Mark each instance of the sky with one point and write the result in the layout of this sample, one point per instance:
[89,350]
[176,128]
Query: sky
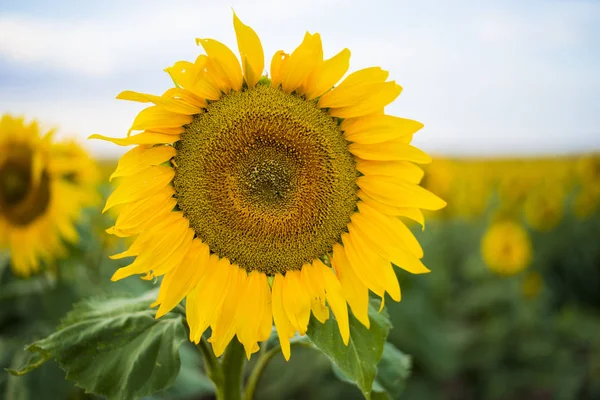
[493,78]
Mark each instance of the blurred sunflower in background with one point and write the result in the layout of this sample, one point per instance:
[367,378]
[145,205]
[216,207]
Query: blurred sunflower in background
[587,171]
[543,207]
[264,199]
[77,167]
[532,285]
[506,248]
[39,197]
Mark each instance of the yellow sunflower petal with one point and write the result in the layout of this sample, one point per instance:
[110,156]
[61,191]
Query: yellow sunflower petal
[335,299]
[327,74]
[393,250]
[140,158]
[355,291]
[414,214]
[379,266]
[251,51]
[194,79]
[141,185]
[140,242]
[67,231]
[184,74]
[285,330]
[361,269]
[136,216]
[378,128]
[164,264]
[250,317]
[225,327]
[146,137]
[266,322]
[401,257]
[296,302]
[187,96]
[384,208]
[301,62]
[279,58]
[155,117]
[397,169]
[380,96]
[213,288]
[37,168]
[319,310]
[164,248]
[225,61]
[209,84]
[169,104]
[389,151]
[399,193]
[354,88]
[394,227]
[313,280]
[247,318]
[178,282]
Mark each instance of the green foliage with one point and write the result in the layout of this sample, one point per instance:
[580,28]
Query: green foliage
[190,381]
[113,346]
[470,333]
[357,362]
[473,334]
[392,372]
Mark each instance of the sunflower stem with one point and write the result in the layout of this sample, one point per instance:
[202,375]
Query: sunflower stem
[213,368]
[259,367]
[232,367]
[264,357]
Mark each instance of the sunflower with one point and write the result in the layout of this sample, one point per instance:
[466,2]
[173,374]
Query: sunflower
[77,167]
[543,207]
[586,203]
[587,200]
[532,285]
[587,169]
[39,201]
[506,248]
[262,199]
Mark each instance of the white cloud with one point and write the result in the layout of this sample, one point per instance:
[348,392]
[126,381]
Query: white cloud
[130,37]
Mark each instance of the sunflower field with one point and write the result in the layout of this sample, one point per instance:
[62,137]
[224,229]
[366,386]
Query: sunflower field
[510,310]
[272,232]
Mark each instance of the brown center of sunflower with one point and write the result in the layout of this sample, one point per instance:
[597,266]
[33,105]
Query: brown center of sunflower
[22,200]
[266,179]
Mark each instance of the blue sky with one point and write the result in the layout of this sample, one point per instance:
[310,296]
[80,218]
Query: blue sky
[486,78]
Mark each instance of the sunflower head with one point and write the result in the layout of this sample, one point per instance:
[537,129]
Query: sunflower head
[37,204]
[506,248]
[264,199]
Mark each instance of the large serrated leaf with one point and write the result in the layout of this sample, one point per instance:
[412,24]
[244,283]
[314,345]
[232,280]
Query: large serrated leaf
[114,347]
[357,361]
[392,371]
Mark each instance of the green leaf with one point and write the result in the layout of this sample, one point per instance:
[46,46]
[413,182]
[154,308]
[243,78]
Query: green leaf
[191,382]
[392,371]
[114,347]
[27,287]
[47,379]
[357,361]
